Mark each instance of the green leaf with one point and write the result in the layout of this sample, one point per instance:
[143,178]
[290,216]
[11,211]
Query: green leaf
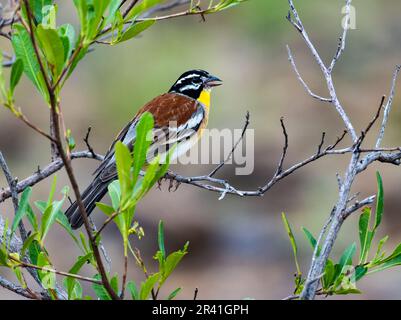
[395,253]
[24,50]
[49,217]
[96,10]
[28,242]
[52,48]
[74,290]
[173,294]
[364,234]
[84,242]
[37,7]
[142,7]
[16,73]
[346,258]
[3,257]
[133,290]
[107,210]
[292,240]
[345,291]
[3,90]
[225,4]
[379,252]
[76,60]
[380,201]
[22,208]
[52,191]
[147,286]
[117,27]
[82,9]
[90,13]
[49,16]
[32,218]
[311,239]
[114,283]
[48,278]
[100,290]
[329,273]
[20,277]
[34,251]
[66,33]
[115,194]
[142,143]
[171,262]
[360,271]
[395,260]
[113,8]
[135,29]
[61,219]
[160,239]
[123,163]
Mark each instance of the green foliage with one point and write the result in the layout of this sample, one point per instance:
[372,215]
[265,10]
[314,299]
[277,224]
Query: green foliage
[47,54]
[100,290]
[16,73]
[292,241]
[25,52]
[22,208]
[223,5]
[341,277]
[52,47]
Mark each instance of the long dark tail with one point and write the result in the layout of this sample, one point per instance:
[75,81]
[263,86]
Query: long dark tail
[92,194]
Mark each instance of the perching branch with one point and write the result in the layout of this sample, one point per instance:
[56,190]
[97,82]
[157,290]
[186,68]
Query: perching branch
[356,165]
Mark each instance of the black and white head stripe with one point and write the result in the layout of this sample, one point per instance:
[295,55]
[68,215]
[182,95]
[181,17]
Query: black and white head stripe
[191,83]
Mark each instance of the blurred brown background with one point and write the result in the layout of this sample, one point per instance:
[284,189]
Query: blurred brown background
[238,247]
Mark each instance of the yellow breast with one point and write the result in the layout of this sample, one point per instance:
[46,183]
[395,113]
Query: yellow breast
[204,99]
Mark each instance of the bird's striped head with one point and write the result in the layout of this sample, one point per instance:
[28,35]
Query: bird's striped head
[192,83]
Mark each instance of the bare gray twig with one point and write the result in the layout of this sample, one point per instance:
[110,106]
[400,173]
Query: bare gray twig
[387,108]
[46,172]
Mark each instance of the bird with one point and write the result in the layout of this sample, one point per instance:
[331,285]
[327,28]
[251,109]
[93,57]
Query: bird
[186,104]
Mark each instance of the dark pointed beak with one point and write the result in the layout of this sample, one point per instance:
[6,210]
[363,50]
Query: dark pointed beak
[213,81]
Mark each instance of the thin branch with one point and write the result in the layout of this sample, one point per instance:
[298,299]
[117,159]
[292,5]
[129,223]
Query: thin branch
[14,194]
[86,140]
[62,273]
[164,7]
[357,205]
[24,119]
[27,293]
[326,72]
[105,224]
[377,115]
[67,67]
[228,158]
[285,148]
[101,246]
[124,280]
[310,92]
[387,108]
[208,183]
[129,7]
[342,40]
[46,172]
